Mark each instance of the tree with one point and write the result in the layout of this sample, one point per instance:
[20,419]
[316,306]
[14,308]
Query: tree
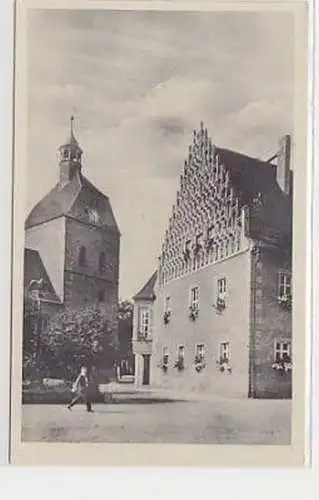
[125,326]
[32,322]
[77,337]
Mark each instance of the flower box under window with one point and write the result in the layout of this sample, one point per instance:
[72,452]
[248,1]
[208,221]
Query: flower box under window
[167,317]
[282,362]
[285,301]
[199,363]
[285,289]
[220,304]
[179,364]
[193,312]
[282,366]
[142,336]
[224,365]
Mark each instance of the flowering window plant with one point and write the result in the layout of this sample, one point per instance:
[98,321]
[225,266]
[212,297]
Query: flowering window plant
[224,365]
[283,365]
[220,303]
[164,365]
[179,363]
[167,316]
[193,311]
[199,363]
[285,300]
[142,335]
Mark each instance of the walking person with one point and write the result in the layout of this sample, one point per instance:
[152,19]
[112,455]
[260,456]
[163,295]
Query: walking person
[81,388]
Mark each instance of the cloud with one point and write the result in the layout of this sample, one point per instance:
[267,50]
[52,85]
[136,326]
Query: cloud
[139,83]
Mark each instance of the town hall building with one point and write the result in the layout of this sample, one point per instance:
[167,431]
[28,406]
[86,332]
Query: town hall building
[72,243]
[215,317]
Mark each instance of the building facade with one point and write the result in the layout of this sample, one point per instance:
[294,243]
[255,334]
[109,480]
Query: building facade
[216,315]
[72,242]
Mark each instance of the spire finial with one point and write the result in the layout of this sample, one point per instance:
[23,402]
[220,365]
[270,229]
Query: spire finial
[71,125]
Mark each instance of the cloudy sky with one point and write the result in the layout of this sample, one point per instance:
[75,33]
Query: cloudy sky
[138,84]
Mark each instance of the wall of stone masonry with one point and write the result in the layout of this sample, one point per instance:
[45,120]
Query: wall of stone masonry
[272,322]
[82,283]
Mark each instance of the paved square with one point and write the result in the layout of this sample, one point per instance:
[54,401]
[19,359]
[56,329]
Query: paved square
[218,422]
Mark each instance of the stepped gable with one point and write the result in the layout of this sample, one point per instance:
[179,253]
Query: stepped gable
[71,199]
[206,221]
[34,270]
[147,291]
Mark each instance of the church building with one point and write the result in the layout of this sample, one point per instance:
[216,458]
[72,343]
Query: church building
[216,315]
[72,242]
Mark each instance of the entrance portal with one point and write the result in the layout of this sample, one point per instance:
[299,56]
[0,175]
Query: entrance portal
[146,369]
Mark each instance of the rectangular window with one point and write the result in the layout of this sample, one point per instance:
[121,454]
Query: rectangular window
[224,352]
[199,352]
[284,284]
[181,352]
[167,304]
[221,287]
[101,296]
[144,322]
[165,356]
[282,350]
[194,297]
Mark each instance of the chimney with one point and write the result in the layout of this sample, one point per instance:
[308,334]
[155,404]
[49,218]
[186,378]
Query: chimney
[283,164]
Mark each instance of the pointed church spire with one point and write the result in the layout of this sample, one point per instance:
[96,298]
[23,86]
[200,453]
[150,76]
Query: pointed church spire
[70,155]
[72,139]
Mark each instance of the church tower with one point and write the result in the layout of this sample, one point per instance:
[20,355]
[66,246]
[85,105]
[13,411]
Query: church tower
[74,230]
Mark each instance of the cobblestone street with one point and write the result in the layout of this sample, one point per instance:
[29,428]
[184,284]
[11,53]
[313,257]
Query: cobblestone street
[212,422]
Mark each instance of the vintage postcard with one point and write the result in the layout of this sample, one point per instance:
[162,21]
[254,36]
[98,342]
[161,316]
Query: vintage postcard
[161,187]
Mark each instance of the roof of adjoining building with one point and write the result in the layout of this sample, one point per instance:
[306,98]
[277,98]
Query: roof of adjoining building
[61,201]
[34,270]
[147,291]
[249,176]
[271,219]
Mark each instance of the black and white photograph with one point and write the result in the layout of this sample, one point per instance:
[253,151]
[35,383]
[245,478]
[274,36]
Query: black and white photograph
[164,172]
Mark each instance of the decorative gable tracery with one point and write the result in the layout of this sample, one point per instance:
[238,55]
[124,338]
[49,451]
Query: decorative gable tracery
[205,225]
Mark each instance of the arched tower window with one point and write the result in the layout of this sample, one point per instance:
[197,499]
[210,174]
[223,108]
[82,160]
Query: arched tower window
[102,262]
[82,256]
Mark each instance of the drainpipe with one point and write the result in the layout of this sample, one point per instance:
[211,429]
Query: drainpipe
[253,275]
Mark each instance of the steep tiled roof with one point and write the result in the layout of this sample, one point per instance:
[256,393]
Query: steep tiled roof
[61,200]
[271,220]
[34,270]
[147,291]
[249,176]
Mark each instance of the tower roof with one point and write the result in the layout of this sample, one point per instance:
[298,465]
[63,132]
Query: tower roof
[147,291]
[72,199]
[74,195]
[71,140]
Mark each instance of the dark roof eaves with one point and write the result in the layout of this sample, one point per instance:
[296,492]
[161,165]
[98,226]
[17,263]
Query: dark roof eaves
[113,229]
[43,221]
